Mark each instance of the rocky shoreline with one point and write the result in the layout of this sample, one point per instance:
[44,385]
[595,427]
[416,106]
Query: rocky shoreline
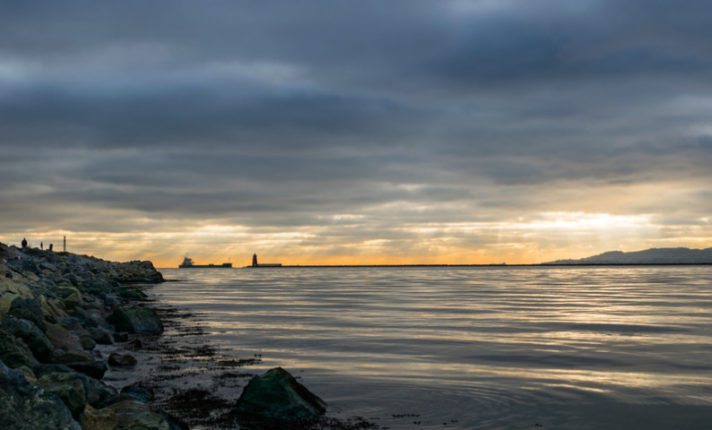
[82,347]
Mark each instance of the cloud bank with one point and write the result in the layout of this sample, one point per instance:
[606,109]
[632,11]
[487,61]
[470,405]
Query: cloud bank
[365,131]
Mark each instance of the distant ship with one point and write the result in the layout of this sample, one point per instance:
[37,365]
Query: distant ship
[188,264]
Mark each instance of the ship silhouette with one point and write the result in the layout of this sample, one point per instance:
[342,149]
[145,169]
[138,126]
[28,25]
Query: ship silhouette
[188,264]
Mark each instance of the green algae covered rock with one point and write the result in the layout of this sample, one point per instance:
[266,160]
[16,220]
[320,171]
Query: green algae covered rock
[131,294]
[14,352]
[136,319]
[69,387]
[126,414]
[35,339]
[29,309]
[276,395]
[25,407]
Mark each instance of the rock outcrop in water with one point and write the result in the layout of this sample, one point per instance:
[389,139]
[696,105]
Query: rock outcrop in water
[277,396]
[54,309]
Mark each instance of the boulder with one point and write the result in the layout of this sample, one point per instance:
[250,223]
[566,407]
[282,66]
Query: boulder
[87,342]
[100,335]
[138,392]
[99,419]
[11,289]
[71,297]
[97,393]
[134,345]
[131,294]
[25,407]
[35,339]
[28,309]
[67,347]
[121,360]
[14,352]
[126,414]
[121,337]
[27,373]
[69,387]
[94,369]
[276,395]
[136,319]
[51,309]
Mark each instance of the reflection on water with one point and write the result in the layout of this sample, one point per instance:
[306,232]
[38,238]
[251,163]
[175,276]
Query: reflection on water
[475,347]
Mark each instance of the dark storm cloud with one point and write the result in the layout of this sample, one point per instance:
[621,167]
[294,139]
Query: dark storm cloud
[283,113]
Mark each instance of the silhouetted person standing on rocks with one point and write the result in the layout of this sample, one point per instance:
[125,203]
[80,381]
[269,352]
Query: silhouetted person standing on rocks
[41,245]
[51,245]
[24,243]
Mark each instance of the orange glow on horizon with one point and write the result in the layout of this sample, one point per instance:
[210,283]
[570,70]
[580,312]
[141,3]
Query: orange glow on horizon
[535,239]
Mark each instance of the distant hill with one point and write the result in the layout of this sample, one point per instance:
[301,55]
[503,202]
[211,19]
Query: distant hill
[648,256]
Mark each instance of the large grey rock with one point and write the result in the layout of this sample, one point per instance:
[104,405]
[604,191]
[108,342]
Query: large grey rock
[136,319]
[126,414]
[25,407]
[131,294]
[276,395]
[138,392]
[14,352]
[121,360]
[67,347]
[94,369]
[100,335]
[69,387]
[35,339]
[97,393]
[29,309]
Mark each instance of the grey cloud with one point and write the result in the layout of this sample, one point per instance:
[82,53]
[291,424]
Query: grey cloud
[269,114]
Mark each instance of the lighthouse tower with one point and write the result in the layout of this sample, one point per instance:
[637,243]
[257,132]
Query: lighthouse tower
[254,260]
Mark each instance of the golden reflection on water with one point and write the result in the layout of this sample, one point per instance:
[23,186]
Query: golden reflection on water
[638,335]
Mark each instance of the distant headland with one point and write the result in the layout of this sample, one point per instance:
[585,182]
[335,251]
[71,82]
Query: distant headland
[653,256]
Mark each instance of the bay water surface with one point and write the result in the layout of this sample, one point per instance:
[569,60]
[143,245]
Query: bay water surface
[473,348]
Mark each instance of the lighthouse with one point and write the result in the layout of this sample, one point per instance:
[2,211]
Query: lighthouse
[254,260]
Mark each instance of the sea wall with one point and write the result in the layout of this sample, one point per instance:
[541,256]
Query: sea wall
[54,310]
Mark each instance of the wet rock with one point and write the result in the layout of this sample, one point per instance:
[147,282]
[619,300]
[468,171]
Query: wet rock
[121,337]
[33,337]
[131,294]
[100,336]
[95,369]
[67,347]
[10,290]
[136,319]
[121,360]
[14,352]
[138,392]
[25,407]
[71,297]
[87,342]
[69,387]
[97,393]
[99,419]
[276,395]
[134,345]
[112,301]
[126,414]
[27,373]
[28,309]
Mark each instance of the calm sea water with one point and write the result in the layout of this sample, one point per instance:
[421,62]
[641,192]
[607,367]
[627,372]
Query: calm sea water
[425,348]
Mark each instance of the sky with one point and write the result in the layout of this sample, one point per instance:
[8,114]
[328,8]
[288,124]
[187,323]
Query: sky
[337,132]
